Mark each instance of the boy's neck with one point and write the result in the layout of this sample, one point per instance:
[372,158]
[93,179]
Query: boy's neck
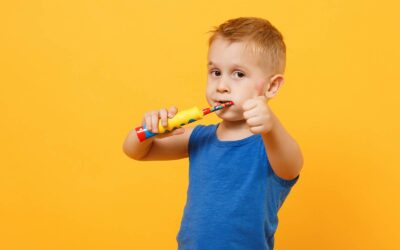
[233,130]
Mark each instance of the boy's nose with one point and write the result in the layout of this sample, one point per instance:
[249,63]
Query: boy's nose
[222,86]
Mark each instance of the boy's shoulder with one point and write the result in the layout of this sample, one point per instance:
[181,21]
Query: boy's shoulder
[202,131]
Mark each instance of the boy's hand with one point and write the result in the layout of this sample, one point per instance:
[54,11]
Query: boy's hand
[151,118]
[258,115]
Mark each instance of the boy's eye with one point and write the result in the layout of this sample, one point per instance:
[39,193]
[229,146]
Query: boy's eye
[215,72]
[239,74]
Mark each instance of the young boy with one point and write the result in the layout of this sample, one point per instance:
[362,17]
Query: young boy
[241,169]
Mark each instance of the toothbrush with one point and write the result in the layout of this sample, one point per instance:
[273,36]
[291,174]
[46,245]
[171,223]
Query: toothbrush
[180,119]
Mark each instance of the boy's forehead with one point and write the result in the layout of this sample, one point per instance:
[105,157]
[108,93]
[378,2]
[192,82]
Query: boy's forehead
[236,53]
[224,46]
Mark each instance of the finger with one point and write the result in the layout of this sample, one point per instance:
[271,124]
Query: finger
[267,98]
[163,116]
[254,121]
[249,104]
[250,113]
[257,129]
[154,122]
[147,118]
[172,111]
[144,120]
[262,98]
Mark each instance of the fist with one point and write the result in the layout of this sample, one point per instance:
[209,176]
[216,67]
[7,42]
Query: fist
[258,115]
[152,118]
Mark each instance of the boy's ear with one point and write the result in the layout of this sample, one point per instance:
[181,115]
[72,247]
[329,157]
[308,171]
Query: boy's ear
[275,82]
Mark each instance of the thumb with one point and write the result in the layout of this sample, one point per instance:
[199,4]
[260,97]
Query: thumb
[177,131]
[264,97]
[267,96]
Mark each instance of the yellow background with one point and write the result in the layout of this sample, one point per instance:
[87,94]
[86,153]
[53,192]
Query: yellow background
[76,76]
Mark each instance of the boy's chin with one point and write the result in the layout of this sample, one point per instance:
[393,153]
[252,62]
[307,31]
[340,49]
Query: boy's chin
[229,117]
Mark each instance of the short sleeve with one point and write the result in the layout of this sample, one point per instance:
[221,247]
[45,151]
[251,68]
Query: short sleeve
[194,138]
[284,182]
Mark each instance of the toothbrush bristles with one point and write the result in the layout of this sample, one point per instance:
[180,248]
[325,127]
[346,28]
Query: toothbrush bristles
[217,107]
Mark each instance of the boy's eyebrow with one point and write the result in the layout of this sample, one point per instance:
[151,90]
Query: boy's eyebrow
[210,63]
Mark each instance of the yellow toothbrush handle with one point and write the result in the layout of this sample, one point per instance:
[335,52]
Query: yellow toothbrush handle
[181,118]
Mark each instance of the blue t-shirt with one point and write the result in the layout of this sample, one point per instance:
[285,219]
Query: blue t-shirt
[233,196]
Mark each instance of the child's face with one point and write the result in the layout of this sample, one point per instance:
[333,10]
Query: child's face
[234,74]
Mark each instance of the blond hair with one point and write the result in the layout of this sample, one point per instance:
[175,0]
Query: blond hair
[265,40]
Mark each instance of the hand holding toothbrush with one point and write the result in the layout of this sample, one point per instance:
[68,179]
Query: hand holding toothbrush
[153,118]
[171,121]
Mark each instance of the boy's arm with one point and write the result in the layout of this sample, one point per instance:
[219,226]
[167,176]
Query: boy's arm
[283,152]
[162,147]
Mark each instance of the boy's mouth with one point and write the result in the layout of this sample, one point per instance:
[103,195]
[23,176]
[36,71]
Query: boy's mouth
[221,102]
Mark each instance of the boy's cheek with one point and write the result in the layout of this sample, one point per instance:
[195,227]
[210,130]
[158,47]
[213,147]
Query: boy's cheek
[207,95]
[260,88]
